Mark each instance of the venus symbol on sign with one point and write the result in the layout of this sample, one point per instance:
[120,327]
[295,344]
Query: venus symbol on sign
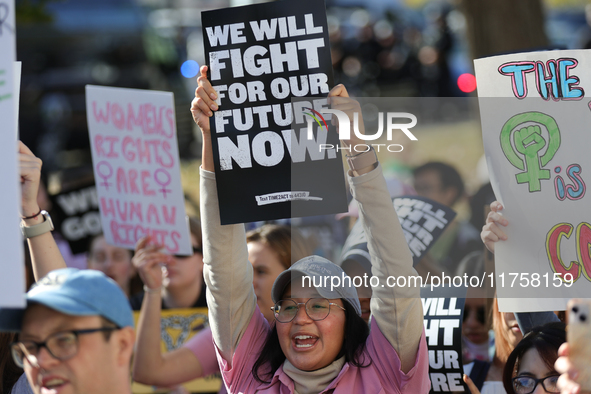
[104,170]
[163,180]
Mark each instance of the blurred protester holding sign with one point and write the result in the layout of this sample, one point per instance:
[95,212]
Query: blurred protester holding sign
[176,280]
[272,249]
[170,282]
[487,377]
[442,183]
[115,262]
[475,331]
[475,326]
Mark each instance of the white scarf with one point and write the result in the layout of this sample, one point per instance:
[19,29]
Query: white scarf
[313,382]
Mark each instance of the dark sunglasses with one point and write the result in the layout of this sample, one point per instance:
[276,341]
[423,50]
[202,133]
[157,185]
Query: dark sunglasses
[480,314]
[196,249]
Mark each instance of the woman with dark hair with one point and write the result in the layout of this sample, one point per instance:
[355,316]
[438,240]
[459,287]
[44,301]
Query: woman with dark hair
[530,366]
[169,282]
[318,342]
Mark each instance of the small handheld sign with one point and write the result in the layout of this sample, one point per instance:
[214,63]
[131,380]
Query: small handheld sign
[136,167]
[422,221]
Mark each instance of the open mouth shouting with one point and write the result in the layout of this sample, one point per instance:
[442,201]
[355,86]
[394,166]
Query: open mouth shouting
[304,341]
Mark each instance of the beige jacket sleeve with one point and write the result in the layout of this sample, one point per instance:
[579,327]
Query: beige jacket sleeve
[397,310]
[227,272]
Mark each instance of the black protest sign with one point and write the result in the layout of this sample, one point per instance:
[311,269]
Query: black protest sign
[422,221]
[76,216]
[443,309]
[260,58]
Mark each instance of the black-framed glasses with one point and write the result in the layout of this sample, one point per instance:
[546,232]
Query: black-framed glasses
[316,309]
[527,384]
[196,249]
[61,345]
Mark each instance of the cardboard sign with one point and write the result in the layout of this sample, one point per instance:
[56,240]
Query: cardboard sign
[76,216]
[422,221]
[261,57]
[12,280]
[443,309]
[136,167]
[177,327]
[534,111]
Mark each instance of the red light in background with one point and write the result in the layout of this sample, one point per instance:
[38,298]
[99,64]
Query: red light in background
[467,83]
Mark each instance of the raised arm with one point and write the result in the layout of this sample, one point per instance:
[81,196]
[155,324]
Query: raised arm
[45,255]
[227,272]
[397,310]
[150,365]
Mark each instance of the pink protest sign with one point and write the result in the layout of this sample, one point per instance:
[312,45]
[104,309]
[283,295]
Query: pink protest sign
[136,167]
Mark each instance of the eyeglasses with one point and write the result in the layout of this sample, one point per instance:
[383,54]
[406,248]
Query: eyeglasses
[61,345]
[316,309]
[527,384]
[196,249]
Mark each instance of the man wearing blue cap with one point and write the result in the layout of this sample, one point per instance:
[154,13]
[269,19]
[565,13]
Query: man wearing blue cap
[76,334]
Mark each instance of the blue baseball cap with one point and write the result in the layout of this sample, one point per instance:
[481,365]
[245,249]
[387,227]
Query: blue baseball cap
[77,293]
[320,271]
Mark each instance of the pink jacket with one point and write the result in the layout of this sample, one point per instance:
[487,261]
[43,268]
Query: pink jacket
[382,376]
